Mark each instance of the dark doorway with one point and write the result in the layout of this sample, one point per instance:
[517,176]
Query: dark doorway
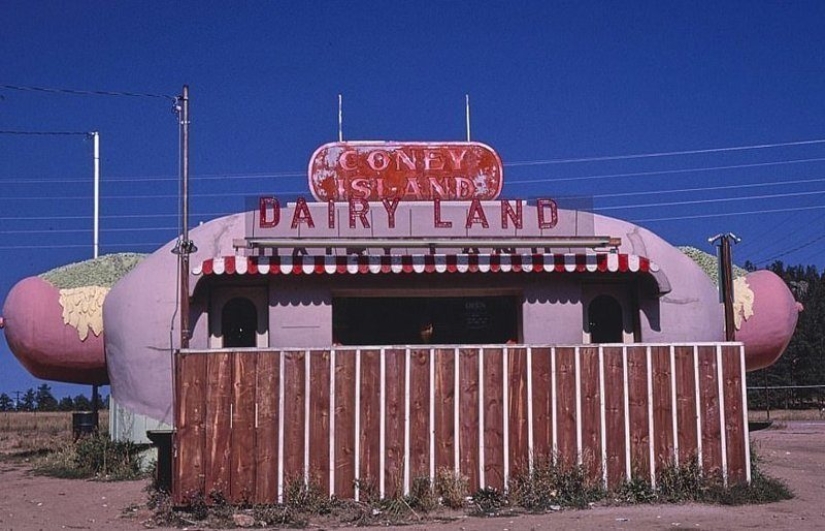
[604,318]
[239,323]
[421,320]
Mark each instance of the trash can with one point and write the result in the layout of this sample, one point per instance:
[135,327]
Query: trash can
[83,423]
[162,439]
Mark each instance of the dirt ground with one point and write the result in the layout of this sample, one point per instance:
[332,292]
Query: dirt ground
[793,451]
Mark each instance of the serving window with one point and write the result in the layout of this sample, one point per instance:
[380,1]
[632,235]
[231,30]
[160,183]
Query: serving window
[425,320]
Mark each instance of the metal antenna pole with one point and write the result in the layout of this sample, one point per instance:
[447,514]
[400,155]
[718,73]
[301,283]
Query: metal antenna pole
[340,118]
[96,139]
[467,114]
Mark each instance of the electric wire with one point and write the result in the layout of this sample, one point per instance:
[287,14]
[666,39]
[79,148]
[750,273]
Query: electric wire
[666,153]
[87,92]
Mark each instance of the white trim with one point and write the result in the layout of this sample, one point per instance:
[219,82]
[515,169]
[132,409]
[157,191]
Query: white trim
[382,428]
[626,384]
[602,417]
[674,406]
[407,355]
[723,436]
[505,403]
[699,449]
[745,415]
[357,416]
[481,453]
[332,416]
[281,408]
[307,384]
[577,368]
[456,410]
[554,403]
[432,415]
[530,408]
[650,430]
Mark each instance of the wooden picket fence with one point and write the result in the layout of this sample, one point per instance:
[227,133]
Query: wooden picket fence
[249,421]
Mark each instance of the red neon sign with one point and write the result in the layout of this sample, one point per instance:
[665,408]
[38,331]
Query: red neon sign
[411,171]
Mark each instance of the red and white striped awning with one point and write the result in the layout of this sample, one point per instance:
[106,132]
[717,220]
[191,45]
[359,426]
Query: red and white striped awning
[426,263]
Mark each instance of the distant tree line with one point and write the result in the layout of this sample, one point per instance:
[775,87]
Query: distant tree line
[803,363]
[42,399]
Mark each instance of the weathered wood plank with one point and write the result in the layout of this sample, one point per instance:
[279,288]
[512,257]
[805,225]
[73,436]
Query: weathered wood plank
[190,439]
[469,417]
[319,418]
[419,413]
[345,423]
[266,396]
[493,418]
[614,391]
[243,459]
[218,419]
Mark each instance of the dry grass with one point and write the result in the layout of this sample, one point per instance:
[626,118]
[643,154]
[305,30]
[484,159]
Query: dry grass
[786,414]
[24,434]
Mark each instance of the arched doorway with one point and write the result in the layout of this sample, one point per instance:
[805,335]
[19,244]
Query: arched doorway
[605,320]
[239,323]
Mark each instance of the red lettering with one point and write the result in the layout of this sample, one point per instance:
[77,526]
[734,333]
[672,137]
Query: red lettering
[475,214]
[390,207]
[331,213]
[516,215]
[302,214]
[437,223]
[543,204]
[266,205]
[358,213]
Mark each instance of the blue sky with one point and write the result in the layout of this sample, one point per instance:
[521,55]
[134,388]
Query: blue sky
[567,93]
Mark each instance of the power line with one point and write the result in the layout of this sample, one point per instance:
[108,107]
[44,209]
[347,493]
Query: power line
[710,188]
[793,250]
[87,92]
[663,172]
[45,133]
[725,214]
[705,201]
[666,153]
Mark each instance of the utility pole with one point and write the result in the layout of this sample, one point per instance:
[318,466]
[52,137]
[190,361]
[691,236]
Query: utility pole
[726,279]
[185,247]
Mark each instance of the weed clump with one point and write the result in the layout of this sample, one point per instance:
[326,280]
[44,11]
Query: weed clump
[94,456]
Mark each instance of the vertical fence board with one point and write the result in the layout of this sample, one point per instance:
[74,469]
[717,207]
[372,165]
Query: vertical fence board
[319,418]
[420,413]
[638,411]
[370,443]
[686,407]
[709,406]
[445,437]
[218,418]
[294,415]
[242,459]
[614,415]
[469,420]
[267,389]
[663,436]
[566,405]
[519,444]
[542,403]
[732,380]
[190,438]
[591,411]
[344,417]
[394,413]
[493,418]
